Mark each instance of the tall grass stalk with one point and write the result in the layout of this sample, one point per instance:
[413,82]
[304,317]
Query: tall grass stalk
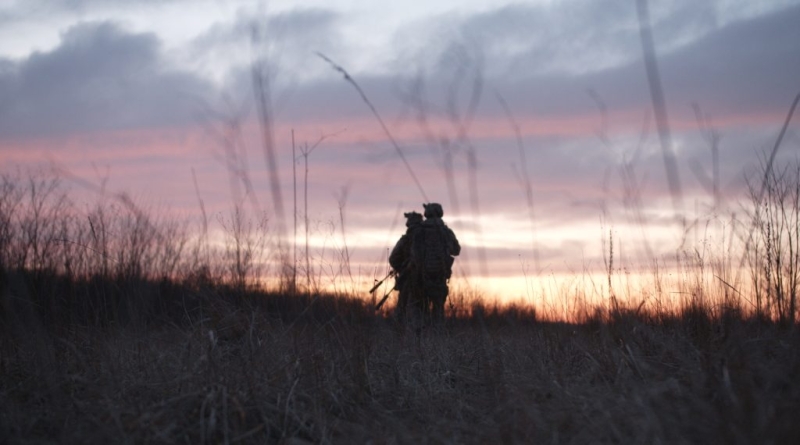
[385,129]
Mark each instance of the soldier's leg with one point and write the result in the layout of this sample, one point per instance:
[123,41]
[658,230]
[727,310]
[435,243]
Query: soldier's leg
[437,315]
[402,306]
[426,303]
[439,297]
[417,311]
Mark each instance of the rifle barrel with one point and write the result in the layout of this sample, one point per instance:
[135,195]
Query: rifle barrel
[383,300]
[381,282]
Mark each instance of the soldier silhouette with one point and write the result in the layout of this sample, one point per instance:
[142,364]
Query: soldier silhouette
[435,247]
[423,260]
[400,261]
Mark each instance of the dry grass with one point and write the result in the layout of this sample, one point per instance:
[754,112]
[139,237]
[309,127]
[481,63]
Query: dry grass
[110,336]
[247,373]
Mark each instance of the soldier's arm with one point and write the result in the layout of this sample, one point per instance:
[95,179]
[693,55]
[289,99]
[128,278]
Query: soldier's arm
[397,257]
[455,248]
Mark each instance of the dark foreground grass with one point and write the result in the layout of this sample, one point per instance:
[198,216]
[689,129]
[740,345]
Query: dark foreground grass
[251,369]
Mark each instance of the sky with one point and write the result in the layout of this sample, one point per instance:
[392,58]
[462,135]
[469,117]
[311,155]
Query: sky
[542,110]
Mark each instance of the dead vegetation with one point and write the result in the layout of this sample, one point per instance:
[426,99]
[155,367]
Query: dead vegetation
[243,371]
[120,327]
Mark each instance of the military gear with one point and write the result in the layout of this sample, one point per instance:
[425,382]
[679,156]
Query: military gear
[399,259]
[423,259]
[435,259]
[386,295]
[377,284]
[429,251]
[412,218]
[433,210]
[401,253]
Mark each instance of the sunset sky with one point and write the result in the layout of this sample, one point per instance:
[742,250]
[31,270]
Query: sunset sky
[138,91]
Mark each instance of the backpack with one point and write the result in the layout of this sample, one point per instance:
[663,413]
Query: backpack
[429,253]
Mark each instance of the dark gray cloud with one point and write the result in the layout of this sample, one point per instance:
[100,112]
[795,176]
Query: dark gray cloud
[100,77]
[745,67]
[740,68]
[753,65]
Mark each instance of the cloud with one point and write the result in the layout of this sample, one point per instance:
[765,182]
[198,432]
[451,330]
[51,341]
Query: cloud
[550,54]
[731,68]
[753,65]
[286,41]
[542,60]
[743,73]
[99,78]
[28,9]
[566,37]
[569,165]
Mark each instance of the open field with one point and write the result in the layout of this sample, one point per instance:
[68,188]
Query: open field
[275,369]
[237,313]
[118,326]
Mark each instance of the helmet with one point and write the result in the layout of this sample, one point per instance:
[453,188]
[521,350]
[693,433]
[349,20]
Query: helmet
[412,218]
[433,209]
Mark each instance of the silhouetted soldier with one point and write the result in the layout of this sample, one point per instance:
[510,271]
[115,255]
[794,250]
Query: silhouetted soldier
[434,246]
[400,260]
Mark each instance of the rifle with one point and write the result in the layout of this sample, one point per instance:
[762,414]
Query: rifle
[383,300]
[385,297]
[390,274]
